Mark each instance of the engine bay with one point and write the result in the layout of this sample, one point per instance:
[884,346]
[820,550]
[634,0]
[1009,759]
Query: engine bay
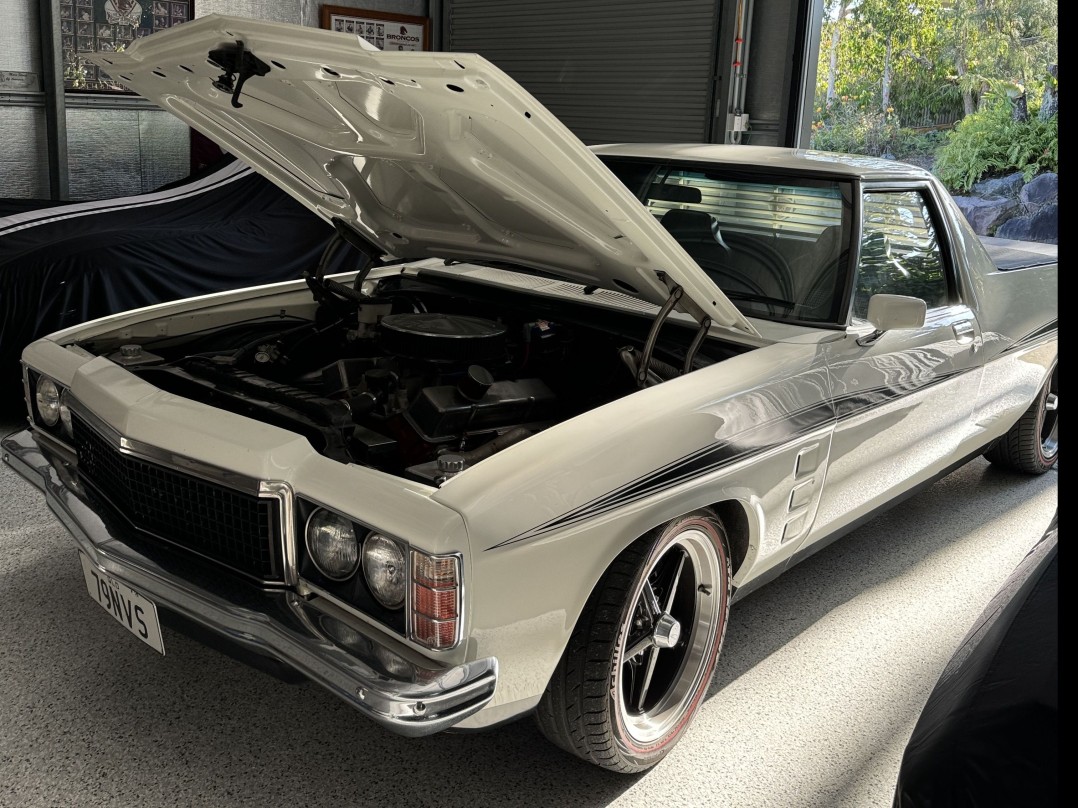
[414,376]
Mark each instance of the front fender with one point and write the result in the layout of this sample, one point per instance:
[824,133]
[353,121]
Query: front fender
[548,515]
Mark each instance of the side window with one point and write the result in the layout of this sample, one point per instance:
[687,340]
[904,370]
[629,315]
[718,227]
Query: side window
[900,254]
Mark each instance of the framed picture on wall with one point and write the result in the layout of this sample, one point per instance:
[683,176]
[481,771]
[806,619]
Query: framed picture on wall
[110,25]
[382,29]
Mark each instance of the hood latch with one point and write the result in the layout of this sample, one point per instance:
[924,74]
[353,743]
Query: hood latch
[239,62]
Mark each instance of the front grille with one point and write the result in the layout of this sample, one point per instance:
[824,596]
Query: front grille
[233,528]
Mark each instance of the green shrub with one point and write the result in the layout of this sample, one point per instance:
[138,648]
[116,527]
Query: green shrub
[846,128]
[912,143]
[990,142]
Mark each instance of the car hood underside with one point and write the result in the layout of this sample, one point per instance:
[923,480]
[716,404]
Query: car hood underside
[424,154]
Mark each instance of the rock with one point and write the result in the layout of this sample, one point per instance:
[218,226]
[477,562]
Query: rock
[1009,186]
[1041,225]
[1041,190]
[984,215]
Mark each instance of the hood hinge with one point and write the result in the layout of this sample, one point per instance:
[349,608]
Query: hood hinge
[676,299]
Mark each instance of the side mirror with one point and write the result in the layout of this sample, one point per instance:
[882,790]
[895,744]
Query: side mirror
[888,312]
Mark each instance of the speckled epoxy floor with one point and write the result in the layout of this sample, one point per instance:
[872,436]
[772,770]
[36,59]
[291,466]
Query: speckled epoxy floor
[823,675]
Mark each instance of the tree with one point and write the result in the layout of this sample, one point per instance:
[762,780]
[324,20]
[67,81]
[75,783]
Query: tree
[1050,100]
[990,41]
[904,29]
[838,11]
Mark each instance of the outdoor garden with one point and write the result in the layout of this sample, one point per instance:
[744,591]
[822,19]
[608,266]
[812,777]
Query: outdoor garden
[965,88]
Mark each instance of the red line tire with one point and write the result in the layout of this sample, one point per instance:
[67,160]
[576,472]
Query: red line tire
[640,659]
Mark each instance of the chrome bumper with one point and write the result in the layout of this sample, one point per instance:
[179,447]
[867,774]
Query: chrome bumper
[374,673]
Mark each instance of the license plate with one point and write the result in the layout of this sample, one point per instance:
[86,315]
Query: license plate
[133,611]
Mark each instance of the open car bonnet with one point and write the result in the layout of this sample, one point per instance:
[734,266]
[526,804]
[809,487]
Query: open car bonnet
[424,154]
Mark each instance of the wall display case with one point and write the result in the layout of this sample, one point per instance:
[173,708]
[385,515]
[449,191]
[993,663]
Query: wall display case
[381,28]
[110,25]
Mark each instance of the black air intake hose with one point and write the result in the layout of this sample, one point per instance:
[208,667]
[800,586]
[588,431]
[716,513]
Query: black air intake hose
[658,370]
[503,441]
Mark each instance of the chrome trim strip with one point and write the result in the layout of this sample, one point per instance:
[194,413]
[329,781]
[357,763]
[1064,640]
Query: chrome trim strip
[163,457]
[422,700]
[26,391]
[286,498]
[343,605]
[56,445]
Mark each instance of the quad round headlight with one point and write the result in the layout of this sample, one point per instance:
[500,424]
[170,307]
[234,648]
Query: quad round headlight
[383,567]
[48,401]
[332,543]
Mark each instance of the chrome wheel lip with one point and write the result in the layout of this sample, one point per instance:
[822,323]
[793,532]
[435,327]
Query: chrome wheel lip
[699,633]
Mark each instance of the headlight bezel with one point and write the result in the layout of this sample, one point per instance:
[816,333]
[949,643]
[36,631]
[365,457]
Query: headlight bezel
[356,596]
[353,595]
[58,429]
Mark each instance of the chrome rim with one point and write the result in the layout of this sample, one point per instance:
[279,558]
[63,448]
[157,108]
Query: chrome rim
[1050,420]
[669,637]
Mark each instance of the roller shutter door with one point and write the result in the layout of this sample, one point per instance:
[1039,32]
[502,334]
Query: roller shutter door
[611,70]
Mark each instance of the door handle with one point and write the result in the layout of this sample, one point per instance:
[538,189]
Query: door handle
[963,332]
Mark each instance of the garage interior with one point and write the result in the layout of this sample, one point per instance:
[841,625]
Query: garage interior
[612,70]
[824,672]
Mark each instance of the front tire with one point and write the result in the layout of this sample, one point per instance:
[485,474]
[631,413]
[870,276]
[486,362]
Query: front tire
[1031,446]
[641,657]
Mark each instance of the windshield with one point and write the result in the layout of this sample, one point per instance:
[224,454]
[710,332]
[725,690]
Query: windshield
[777,246]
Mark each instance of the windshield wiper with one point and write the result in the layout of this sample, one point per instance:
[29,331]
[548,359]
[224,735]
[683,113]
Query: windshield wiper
[748,297]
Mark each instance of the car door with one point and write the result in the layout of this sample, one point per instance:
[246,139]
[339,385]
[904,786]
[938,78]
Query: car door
[903,400]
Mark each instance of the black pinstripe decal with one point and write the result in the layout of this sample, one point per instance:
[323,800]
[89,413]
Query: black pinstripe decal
[754,441]
[1044,331]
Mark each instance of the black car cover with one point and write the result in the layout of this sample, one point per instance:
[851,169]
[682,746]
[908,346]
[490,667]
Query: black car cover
[223,229]
[989,734]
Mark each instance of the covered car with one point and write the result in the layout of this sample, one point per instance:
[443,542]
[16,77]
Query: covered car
[226,228]
[989,733]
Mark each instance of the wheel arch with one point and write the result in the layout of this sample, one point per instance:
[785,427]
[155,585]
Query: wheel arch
[739,522]
[736,520]
[548,602]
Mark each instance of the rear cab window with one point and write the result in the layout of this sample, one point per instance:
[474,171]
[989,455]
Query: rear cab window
[777,246]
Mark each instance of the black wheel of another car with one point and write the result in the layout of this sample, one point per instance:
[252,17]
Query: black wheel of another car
[643,652]
[1032,444]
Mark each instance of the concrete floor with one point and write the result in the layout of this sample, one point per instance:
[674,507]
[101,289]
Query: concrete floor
[822,677]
